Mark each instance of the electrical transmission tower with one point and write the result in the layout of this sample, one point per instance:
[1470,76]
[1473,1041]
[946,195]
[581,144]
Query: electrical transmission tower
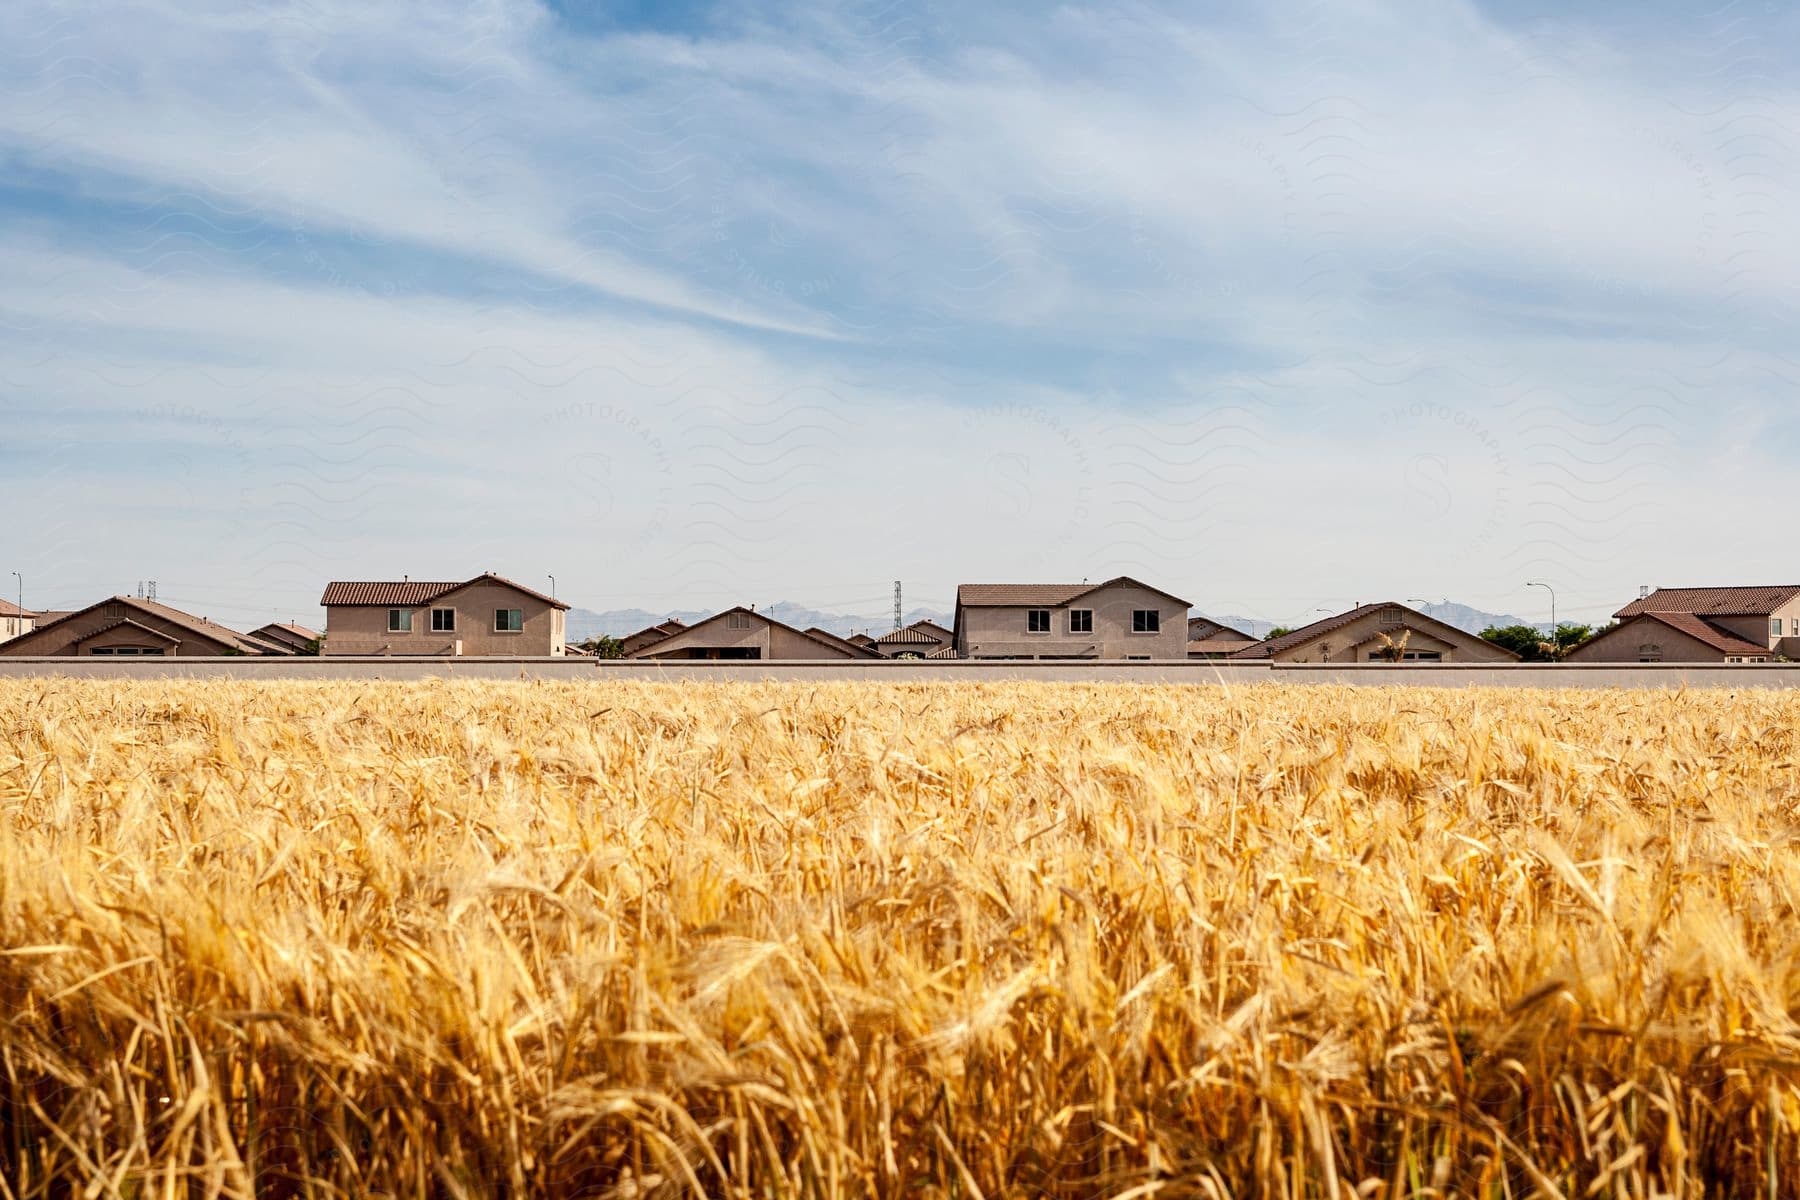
[896,604]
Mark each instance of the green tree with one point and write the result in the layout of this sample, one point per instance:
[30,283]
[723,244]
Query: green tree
[1279,631]
[1533,644]
[604,646]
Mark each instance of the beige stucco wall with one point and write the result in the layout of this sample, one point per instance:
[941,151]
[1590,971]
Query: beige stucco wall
[1000,632]
[1625,644]
[1353,643]
[12,627]
[360,630]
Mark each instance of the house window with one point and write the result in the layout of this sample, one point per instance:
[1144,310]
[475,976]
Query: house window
[1390,618]
[740,620]
[1037,620]
[509,620]
[399,620]
[1081,620]
[443,620]
[1650,652]
[1775,626]
[1137,658]
[1146,620]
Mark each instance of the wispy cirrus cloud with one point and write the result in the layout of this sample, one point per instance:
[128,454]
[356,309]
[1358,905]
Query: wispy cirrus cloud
[1277,304]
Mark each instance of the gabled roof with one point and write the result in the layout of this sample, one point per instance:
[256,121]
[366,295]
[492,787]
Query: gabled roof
[299,631]
[909,637]
[1696,627]
[833,640]
[9,609]
[860,639]
[112,625]
[1758,601]
[815,635]
[1411,616]
[1207,629]
[408,594]
[212,631]
[1050,595]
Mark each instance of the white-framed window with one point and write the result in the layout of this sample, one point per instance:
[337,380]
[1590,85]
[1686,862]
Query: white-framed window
[509,620]
[1081,620]
[1390,618]
[1037,620]
[1146,620]
[399,620]
[1775,626]
[443,620]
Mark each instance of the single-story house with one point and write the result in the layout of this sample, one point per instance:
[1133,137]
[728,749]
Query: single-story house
[1652,637]
[131,626]
[1384,632]
[744,633]
[479,616]
[917,640]
[855,650]
[631,643]
[15,621]
[289,637]
[1120,619]
[1715,624]
[1208,638]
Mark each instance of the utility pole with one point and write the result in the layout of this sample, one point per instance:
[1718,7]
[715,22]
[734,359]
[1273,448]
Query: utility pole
[21,580]
[897,608]
[553,587]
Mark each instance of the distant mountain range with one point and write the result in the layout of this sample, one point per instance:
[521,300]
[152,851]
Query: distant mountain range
[584,623]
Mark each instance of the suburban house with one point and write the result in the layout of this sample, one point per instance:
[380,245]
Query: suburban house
[1377,633]
[631,643]
[855,650]
[15,621]
[1723,624]
[480,616]
[123,626]
[1120,619]
[286,637]
[744,633]
[860,639]
[918,640]
[1209,639]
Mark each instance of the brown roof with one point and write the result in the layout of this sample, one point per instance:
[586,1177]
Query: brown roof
[909,637]
[1207,629]
[212,631]
[832,639]
[1698,628]
[9,609]
[860,639]
[1757,601]
[407,594]
[1305,634]
[299,631]
[1012,595]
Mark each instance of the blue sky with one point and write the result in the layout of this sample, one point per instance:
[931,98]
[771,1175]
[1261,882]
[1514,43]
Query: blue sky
[1279,306]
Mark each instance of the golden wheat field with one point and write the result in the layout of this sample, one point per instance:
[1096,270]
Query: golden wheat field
[487,939]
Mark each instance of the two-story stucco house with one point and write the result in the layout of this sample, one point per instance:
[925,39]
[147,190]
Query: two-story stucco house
[1723,624]
[486,615]
[1384,632]
[1118,620]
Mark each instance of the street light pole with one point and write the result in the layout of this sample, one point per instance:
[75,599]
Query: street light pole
[553,587]
[21,580]
[1552,591]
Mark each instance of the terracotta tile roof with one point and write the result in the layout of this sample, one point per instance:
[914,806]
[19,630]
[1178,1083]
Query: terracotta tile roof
[9,609]
[408,594]
[1715,601]
[1009,595]
[943,652]
[299,631]
[909,637]
[1700,629]
[1204,628]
